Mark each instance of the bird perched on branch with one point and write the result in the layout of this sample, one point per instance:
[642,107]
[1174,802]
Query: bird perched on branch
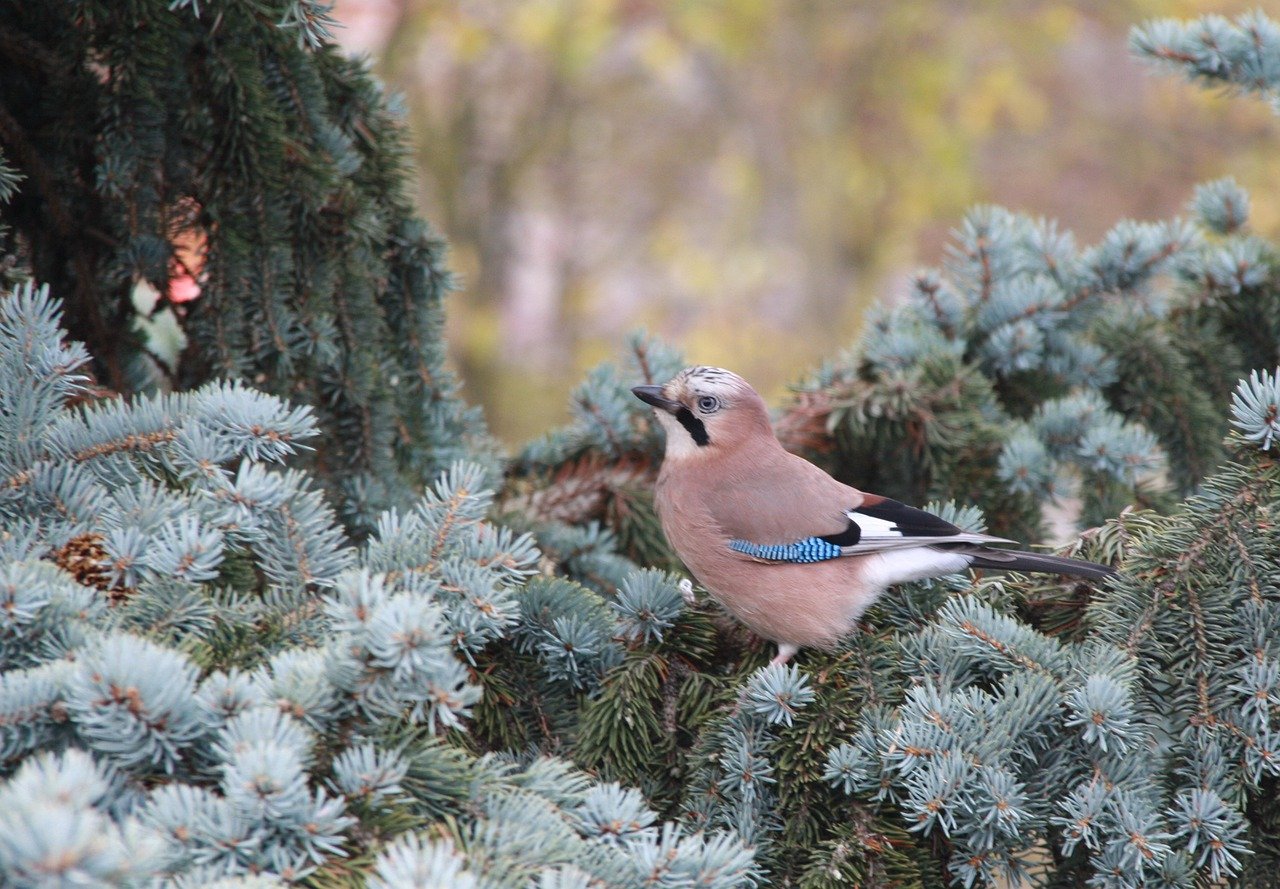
[794,554]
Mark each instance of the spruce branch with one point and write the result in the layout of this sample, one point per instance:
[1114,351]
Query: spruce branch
[1213,49]
[1255,408]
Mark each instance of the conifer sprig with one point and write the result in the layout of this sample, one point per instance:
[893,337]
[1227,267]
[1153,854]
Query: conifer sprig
[240,691]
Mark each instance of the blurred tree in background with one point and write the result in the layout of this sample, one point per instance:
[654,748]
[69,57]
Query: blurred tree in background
[730,175]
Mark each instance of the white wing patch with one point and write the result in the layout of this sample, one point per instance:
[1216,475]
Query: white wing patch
[872,526]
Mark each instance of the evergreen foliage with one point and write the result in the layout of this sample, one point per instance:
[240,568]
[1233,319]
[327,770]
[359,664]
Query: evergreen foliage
[1030,370]
[208,679]
[1136,749]
[1014,732]
[1244,54]
[600,469]
[235,129]
[203,677]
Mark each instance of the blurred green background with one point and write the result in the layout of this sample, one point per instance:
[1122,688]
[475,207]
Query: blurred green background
[745,178]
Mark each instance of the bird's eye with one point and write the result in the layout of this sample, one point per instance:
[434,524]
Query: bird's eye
[708,403]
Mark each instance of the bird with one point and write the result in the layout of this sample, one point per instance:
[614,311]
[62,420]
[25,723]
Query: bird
[791,552]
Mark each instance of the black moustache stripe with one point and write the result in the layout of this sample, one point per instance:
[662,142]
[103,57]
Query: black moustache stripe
[695,427]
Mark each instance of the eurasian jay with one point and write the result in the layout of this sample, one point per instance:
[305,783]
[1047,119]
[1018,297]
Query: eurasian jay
[792,553]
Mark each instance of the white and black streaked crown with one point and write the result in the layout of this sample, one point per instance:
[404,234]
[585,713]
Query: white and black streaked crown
[712,380]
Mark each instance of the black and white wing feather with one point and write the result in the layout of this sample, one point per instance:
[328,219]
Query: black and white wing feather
[873,527]
[887,525]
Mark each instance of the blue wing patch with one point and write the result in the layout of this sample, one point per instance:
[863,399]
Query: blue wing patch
[811,549]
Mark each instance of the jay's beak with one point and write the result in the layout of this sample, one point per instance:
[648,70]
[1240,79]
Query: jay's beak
[653,395]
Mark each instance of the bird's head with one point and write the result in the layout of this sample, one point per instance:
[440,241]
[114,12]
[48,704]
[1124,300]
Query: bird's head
[707,411]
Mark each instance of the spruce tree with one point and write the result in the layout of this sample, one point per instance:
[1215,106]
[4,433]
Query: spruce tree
[204,677]
[239,131]
[1008,728]
[228,660]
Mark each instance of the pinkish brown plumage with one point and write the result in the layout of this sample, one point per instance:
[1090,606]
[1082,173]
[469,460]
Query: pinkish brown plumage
[733,502]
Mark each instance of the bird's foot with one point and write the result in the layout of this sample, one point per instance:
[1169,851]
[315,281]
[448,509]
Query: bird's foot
[785,652]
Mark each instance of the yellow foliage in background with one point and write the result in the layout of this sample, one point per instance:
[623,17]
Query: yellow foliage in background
[745,178]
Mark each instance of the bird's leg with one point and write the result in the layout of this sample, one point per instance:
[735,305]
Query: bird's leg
[785,652]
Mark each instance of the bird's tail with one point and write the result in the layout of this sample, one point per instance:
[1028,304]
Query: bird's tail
[1018,560]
